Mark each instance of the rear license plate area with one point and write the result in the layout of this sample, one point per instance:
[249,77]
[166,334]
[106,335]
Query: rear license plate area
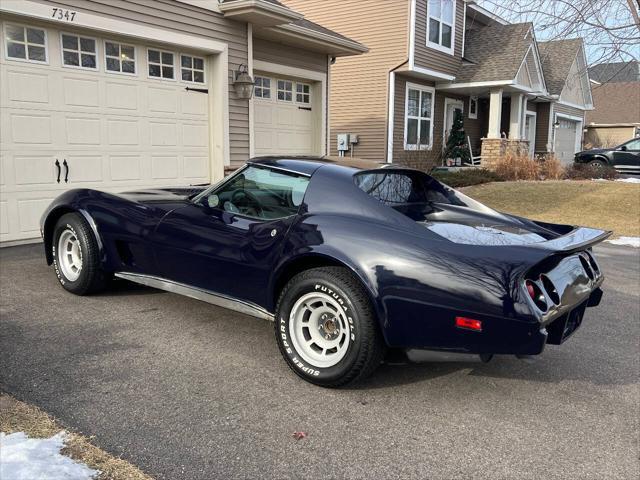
[562,328]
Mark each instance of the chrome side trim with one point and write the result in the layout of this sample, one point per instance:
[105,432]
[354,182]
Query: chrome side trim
[197,293]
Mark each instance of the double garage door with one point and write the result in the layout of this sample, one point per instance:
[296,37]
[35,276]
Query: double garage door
[90,111]
[566,140]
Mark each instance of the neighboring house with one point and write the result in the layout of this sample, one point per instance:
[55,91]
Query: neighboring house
[616,100]
[429,58]
[135,94]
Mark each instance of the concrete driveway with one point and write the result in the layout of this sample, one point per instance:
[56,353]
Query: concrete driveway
[185,390]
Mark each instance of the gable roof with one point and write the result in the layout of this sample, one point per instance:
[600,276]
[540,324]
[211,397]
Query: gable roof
[557,57]
[484,62]
[615,72]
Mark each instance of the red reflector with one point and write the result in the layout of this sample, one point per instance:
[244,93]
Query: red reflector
[531,290]
[470,323]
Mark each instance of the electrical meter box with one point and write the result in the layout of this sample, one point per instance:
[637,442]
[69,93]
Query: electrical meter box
[343,142]
[353,138]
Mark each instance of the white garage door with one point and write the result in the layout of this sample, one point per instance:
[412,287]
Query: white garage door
[114,115]
[286,117]
[566,138]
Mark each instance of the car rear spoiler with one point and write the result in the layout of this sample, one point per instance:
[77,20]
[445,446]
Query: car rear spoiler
[580,238]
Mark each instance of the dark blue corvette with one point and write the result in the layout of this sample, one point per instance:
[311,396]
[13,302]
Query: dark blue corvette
[348,262]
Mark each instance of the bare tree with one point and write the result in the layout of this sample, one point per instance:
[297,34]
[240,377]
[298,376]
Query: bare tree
[610,28]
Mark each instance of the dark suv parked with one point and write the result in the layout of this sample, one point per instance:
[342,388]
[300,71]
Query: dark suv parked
[625,158]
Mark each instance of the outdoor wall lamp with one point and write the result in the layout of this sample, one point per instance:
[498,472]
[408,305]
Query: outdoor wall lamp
[243,83]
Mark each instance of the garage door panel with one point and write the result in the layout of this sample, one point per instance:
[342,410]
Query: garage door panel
[164,134]
[122,132]
[196,168]
[30,128]
[4,218]
[125,167]
[194,135]
[29,212]
[164,167]
[121,96]
[85,168]
[164,100]
[194,103]
[83,131]
[34,170]
[28,87]
[81,92]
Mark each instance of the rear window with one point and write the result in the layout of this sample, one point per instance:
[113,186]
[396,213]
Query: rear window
[401,188]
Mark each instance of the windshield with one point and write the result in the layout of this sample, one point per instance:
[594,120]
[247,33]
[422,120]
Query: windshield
[403,188]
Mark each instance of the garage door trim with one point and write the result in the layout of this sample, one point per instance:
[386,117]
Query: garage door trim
[579,125]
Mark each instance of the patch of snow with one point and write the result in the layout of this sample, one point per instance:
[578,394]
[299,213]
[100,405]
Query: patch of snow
[628,241]
[599,180]
[628,180]
[25,458]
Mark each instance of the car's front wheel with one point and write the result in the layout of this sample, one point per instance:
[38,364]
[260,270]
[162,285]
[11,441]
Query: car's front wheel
[326,328]
[76,257]
[597,164]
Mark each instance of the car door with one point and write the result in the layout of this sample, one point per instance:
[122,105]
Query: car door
[627,156]
[228,240]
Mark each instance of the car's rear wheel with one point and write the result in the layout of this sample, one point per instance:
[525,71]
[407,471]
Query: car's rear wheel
[76,256]
[597,164]
[326,328]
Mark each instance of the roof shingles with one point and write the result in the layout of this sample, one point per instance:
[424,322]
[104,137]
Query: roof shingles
[556,57]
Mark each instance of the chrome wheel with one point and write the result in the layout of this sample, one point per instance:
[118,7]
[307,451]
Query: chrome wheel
[320,331]
[69,255]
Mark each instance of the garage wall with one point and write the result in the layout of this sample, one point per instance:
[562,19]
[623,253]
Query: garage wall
[189,19]
[290,56]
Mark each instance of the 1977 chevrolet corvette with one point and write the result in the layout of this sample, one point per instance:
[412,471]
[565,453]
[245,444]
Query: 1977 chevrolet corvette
[348,262]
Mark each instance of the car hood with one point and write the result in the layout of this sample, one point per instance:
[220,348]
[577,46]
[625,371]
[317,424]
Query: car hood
[593,151]
[163,195]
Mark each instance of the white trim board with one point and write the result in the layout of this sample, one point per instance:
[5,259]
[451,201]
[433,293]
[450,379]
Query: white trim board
[252,143]
[390,115]
[412,34]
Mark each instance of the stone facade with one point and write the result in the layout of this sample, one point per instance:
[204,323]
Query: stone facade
[494,148]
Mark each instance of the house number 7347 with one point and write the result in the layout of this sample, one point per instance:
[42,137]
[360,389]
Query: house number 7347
[63,14]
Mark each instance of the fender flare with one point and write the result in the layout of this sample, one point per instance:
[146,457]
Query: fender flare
[52,218]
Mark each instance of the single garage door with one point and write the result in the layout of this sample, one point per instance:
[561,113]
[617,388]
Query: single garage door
[93,111]
[287,120]
[566,140]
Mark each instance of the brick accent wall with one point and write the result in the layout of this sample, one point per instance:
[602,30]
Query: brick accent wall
[494,148]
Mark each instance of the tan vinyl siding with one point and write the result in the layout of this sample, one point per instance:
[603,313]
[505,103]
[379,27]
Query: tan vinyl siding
[290,56]
[189,19]
[359,84]
[542,127]
[427,57]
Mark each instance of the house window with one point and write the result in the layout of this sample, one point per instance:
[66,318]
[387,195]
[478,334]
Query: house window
[440,26]
[120,58]
[285,90]
[473,107]
[418,125]
[262,87]
[160,64]
[192,68]
[303,93]
[79,52]
[26,43]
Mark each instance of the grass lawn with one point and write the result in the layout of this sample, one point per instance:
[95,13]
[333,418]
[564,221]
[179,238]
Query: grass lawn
[607,205]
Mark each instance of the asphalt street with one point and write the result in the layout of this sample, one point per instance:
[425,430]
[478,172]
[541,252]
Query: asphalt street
[185,390]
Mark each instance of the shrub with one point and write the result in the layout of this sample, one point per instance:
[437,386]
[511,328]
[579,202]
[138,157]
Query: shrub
[579,171]
[551,168]
[517,167]
[466,177]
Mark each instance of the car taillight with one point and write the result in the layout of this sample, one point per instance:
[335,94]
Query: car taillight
[536,295]
[469,323]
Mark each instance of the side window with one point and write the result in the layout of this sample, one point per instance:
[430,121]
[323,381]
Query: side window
[285,90]
[473,107]
[633,145]
[79,52]
[303,93]
[160,64]
[192,68]
[120,58]
[440,24]
[25,43]
[262,87]
[260,192]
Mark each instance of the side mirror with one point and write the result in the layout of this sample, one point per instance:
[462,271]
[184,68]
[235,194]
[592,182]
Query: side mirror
[623,148]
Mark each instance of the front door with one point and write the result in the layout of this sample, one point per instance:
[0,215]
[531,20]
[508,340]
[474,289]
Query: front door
[451,107]
[229,239]
[530,133]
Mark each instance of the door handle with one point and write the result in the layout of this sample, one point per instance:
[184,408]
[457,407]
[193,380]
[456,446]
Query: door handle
[57,164]
[66,170]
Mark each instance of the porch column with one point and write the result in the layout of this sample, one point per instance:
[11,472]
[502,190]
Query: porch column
[515,120]
[523,122]
[495,113]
